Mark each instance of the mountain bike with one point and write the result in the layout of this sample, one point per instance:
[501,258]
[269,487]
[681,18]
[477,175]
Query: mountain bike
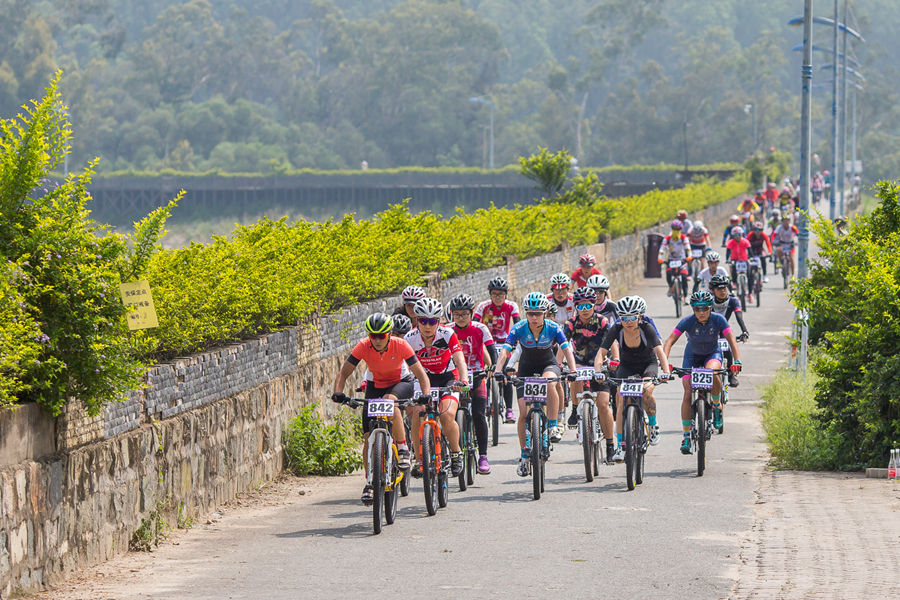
[678,287]
[756,282]
[385,476]
[589,432]
[701,409]
[636,425]
[723,377]
[696,267]
[434,451]
[467,444]
[787,263]
[537,435]
[741,281]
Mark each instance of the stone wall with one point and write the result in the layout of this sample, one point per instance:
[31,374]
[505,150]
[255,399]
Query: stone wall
[207,426]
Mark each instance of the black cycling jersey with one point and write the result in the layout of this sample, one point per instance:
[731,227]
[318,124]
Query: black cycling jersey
[628,354]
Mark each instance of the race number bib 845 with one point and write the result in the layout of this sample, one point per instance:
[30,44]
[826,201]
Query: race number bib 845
[535,390]
[702,378]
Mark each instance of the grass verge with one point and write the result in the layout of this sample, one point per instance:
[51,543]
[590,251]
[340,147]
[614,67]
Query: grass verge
[797,439]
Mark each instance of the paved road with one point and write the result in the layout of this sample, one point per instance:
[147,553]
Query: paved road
[675,536]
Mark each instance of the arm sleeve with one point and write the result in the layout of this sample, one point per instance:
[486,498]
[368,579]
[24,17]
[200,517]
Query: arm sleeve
[739,316]
[352,360]
[492,352]
[412,360]
[768,242]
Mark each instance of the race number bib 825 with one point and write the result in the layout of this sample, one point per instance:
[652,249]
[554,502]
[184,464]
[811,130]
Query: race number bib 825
[702,378]
[635,388]
[535,390]
[379,407]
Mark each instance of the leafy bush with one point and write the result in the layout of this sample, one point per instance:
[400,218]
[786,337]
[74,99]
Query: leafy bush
[796,436]
[853,297]
[313,448]
[20,336]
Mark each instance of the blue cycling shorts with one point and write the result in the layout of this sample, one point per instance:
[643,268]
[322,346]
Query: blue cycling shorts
[699,361]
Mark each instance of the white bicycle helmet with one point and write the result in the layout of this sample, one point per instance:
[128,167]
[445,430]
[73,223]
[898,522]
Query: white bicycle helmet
[560,280]
[698,224]
[412,293]
[599,283]
[428,308]
[713,256]
[631,305]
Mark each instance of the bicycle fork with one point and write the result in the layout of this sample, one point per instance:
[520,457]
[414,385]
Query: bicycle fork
[390,456]
[588,398]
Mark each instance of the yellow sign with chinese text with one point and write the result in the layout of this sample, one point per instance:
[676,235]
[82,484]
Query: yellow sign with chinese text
[137,298]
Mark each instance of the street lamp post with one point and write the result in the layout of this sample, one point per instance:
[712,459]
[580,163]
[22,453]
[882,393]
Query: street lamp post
[805,141]
[832,199]
[491,104]
[843,174]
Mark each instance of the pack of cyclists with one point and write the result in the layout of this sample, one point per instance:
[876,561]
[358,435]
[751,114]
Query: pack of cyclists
[425,345]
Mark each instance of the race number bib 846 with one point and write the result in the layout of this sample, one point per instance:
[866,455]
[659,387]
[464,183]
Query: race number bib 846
[702,378]
[535,390]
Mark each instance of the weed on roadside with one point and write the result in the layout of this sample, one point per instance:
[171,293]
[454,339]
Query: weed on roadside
[313,448]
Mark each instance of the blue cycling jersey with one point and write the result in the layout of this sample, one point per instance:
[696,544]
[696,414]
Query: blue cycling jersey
[521,334]
[703,338]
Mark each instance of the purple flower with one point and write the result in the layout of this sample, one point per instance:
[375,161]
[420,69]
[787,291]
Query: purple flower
[58,256]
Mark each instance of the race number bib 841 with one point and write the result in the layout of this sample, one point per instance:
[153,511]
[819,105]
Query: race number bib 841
[535,390]
[379,407]
[702,378]
[629,388]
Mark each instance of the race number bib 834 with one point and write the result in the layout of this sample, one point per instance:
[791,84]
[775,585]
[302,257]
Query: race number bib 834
[535,390]
[702,378]
[378,407]
[635,388]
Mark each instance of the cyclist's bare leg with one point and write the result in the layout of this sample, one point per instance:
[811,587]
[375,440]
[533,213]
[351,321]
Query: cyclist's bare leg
[649,400]
[717,382]
[575,388]
[365,453]
[607,425]
[415,425]
[619,410]
[447,410]
[686,399]
[553,399]
[520,422]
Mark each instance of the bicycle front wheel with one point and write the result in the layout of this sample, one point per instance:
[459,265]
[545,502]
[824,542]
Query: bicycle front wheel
[390,498]
[700,428]
[443,479]
[537,462]
[631,449]
[587,438]
[379,464]
[404,483]
[429,470]
[463,446]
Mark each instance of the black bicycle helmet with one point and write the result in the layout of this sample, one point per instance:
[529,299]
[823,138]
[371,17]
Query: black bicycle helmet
[379,323]
[498,283]
[584,294]
[719,281]
[462,302]
[402,324]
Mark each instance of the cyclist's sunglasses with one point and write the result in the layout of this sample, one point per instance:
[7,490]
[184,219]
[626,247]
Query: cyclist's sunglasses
[586,306]
[559,286]
[628,318]
[378,336]
[428,321]
[702,308]
[534,314]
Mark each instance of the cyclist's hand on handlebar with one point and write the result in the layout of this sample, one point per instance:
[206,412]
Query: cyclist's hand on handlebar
[744,337]
[660,261]
[613,364]
[664,377]
[599,375]
[339,397]
[489,369]
[571,376]
[736,367]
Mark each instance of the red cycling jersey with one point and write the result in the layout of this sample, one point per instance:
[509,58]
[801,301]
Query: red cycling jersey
[738,248]
[499,319]
[579,280]
[439,357]
[386,367]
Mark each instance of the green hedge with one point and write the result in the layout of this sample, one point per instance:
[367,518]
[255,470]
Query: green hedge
[274,273]
[413,170]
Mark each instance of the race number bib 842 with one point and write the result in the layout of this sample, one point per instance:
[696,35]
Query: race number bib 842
[379,407]
[702,378]
[629,388]
[535,390]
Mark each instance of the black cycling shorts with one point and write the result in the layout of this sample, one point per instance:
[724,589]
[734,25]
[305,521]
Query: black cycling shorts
[535,369]
[648,369]
[403,390]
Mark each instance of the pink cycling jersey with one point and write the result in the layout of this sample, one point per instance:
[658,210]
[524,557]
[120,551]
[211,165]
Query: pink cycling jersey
[499,319]
[473,339]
